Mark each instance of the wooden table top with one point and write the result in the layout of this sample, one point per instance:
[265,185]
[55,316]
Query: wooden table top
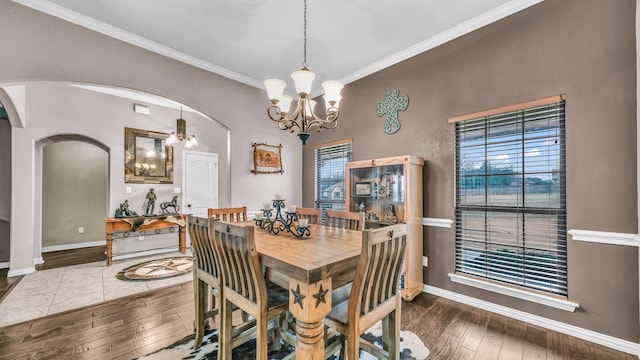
[328,252]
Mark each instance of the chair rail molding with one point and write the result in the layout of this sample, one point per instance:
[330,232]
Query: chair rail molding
[436,222]
[605,237]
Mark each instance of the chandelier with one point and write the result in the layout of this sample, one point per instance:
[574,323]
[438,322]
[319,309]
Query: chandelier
[303,117]
[181,134]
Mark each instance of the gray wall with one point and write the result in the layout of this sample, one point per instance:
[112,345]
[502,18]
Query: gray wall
[74,192]
[582,48]
[5,188]
[39,47]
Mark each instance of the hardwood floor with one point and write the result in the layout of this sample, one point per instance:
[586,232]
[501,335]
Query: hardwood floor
[134,326]
[56,259]
[7,284]
[130,327]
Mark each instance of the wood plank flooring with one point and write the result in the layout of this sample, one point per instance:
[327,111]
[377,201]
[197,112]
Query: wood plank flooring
[137,325]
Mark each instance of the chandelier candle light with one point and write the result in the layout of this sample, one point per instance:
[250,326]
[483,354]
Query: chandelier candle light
[303,117]
[181,134]
[266,220]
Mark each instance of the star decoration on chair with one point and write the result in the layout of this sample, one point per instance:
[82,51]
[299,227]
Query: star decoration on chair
[390,107]
[320,296]
[297,296]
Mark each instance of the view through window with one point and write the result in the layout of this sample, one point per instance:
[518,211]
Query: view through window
[510,197]
[331,160]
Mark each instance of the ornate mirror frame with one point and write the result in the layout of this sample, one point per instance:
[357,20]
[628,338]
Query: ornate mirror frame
[147,159]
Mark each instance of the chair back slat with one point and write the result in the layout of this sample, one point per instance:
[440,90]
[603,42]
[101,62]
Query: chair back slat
[314,215]
[237,252]
[345,220]
[235,214]
[201,245]
[379,267]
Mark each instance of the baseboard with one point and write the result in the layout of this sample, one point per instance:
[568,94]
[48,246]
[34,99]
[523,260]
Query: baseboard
[24,271]
[47,249]
[38,261]
[145,253]
[589,335]
[4,265]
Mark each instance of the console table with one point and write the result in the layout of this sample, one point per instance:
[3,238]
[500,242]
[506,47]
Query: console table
[146,223]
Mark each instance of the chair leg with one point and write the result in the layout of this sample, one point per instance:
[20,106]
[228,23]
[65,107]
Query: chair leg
[353,345]
[199,290]
[226,323]
[394,334]
[261,337]
[385,333]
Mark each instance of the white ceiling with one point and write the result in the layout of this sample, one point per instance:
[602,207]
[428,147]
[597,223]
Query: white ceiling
[252,40]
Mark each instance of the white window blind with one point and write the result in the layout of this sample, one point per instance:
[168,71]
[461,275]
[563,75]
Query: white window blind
[510,197]
[331,160]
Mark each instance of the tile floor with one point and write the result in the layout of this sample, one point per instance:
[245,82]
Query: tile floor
[52,291]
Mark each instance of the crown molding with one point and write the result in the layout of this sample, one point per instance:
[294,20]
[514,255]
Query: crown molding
[114,32]
[464,28]
[489,17]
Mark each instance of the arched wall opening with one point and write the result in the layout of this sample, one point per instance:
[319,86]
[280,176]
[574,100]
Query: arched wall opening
[62,112]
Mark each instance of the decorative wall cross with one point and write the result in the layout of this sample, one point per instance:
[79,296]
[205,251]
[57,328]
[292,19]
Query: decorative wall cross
[390,107]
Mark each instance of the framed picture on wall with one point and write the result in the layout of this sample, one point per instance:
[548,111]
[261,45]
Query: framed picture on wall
[267,159]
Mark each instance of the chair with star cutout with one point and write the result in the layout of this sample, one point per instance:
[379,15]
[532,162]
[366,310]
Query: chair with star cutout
[243,285]
[374,295]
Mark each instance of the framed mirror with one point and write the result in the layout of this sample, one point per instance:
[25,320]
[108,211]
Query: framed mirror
[147,158]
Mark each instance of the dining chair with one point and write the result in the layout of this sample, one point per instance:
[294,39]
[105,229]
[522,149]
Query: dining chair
[244,286]
[206,275]
[345,219]
[314,215]
[235,214]
[374,294]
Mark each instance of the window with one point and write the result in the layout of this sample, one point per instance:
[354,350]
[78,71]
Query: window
[331,160]
[510,195]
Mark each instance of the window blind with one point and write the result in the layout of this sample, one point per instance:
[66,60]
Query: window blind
[331,160]
[511,197]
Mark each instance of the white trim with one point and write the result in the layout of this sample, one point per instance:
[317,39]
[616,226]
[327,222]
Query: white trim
[487,18]
[38,261]
[585,334]
[4,265]
[24,271]
[517,293]
[604,237]
[47,249]
[61,12]
[435,222]
[145,253]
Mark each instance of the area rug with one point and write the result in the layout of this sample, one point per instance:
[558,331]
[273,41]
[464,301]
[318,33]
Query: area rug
[412,348]
[157,269]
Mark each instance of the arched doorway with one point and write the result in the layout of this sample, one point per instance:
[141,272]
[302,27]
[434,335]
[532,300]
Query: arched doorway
[75,192]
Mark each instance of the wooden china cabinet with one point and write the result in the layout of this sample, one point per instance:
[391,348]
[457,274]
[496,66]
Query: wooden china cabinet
[388,191]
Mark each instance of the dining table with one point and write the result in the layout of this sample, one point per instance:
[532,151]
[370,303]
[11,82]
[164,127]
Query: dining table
[311,268]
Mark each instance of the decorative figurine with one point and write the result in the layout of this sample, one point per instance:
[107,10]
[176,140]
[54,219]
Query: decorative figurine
[151,202]
[124,210]
[170,204]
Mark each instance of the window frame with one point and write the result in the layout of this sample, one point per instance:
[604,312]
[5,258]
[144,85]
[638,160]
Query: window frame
[330,203]
[495,283]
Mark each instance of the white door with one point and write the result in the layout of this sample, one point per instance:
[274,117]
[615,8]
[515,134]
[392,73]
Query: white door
[200,182]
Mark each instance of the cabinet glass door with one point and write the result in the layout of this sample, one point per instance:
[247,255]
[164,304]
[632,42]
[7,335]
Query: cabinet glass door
[379,192]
